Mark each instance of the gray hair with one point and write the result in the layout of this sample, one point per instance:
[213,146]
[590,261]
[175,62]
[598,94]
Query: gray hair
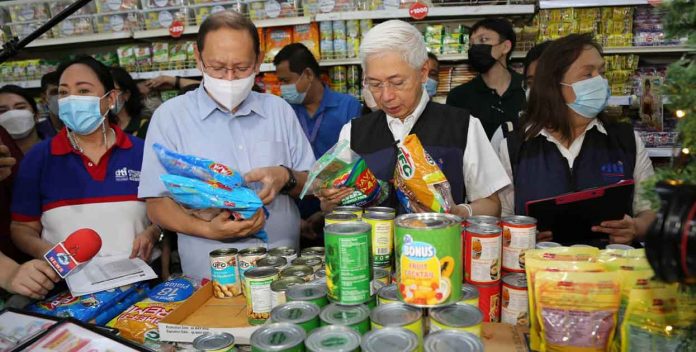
[395,36]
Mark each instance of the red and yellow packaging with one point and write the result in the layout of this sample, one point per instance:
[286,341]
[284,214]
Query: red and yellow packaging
[489,302]
[651,322]
[276,39]
[482,251]
[308,35]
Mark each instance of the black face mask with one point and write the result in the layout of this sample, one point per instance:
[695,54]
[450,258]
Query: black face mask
[481,58]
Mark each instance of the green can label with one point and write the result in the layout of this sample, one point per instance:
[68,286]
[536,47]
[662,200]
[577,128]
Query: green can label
[348,269]
[382,240]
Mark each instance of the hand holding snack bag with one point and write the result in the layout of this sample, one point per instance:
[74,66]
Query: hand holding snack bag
[341,167]
[419,182]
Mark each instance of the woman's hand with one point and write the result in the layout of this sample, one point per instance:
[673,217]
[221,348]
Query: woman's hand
[144,242]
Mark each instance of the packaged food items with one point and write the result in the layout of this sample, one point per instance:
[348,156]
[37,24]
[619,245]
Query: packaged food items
[313,293]
[341,167]
[57,6]
[177,54]
[288,8]
[453,38]
[160,55]
[433,38]
[576,310]
[326,36]
[470,295]
[190,52]
[390,340]
[308,35]
[106,6]
[519,235]
[356,317]
[344,5]
[201,12]
[23,29]
[143,57]
[310,7]
[144,316]
[257,290]
[452,340]
[83,308]
[338,78]
[489,301]
[652,321]
[117,22]
[419,181]
[280,287]
[257,10]
[515,301]
[214,341]
[276,39]
[30,11]
[348,269]
[225,273]
[304,314]
[398,315]
[198,168]
[333,338]
[340,46]
[155,4]
[126,56]
[278,337]
[139,293]
[462,317]
[482,257]
[163,18]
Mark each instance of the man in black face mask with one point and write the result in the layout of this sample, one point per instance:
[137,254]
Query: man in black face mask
[495,95]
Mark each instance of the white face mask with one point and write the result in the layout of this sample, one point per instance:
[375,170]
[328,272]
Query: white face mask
[229,94]
[18,123]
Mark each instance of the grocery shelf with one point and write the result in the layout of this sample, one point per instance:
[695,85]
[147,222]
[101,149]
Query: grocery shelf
[338,62]
[34,83]
[282,21]
[436,11]
[164,32]
[191,72]
[647,49]
[78,39]
[557,4]
[662,152]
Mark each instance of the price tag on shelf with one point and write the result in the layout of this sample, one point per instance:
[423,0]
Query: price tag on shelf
[418,11]
[176,29]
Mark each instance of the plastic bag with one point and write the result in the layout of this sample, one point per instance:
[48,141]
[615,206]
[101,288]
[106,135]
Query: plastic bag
[419,181]
[83,308]
[342,167]
[577,311]
[142,317]
[197,168]
[651,320]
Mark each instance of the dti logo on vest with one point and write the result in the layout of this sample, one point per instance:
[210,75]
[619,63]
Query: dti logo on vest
[613,172]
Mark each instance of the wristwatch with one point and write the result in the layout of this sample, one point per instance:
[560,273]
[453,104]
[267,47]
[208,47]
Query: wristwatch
[292,182]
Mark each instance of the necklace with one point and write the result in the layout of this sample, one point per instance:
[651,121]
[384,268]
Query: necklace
[74,141]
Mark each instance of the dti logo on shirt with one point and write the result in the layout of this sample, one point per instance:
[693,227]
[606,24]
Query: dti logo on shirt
[613,172]
[125,174]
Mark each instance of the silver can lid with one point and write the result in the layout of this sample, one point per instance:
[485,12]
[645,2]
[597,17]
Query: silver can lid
[297,270]
[296,312]
[380,210]
[313,251]
[542,245]
[341,216]
[483,220]
[427,220]
[338,314]
[452,341]
[469,291]
[390,340]
[305,292]
[379,216]
[213,341]
[457,315]
[253,251]
[395,315]
[283,251]
[283,283]
[333,338]
[223,251]
[515,280]
[484,229]
[348,208]
[273,261]
[260,272]
[348,228]
[307,260]
[389,292]
[278,337]
[520,220]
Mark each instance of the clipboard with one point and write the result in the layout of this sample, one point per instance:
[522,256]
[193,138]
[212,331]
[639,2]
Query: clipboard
[571,216]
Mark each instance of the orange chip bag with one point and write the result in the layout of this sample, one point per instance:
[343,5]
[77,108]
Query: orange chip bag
[418,180]
[276,39]
[308,35]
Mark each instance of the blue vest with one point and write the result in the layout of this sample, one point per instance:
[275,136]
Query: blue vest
[442,131]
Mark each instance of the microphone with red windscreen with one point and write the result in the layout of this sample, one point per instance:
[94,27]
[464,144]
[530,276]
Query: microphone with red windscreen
[79,247]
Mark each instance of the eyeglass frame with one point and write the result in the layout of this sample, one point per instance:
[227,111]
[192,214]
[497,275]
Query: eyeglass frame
[235,70]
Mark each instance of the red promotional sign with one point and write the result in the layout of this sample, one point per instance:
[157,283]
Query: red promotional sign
[176,29]
[418,11]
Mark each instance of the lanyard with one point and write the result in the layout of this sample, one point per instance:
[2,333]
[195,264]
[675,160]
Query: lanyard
[315,130]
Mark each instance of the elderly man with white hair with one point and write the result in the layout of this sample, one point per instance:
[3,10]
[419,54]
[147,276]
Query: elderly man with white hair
[395,68]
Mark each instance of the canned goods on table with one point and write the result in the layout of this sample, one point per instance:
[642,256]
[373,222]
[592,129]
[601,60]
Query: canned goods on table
[515,300]
[461,317]
[216,342]
[304,314]
[355,317]
[308,293]
[314,252]
[358,211]
[398,315]
[332,339]
[387,210]
[381,275]
[257,289]
[280,287]
[247,259]
[224,273]
[272,261]
[470,295]
[338,217]
[304,272]
[452,340]
[382,237]
[284,337]
[428,267]
[286,252]
[543,245]
[388,294]
[348,269]
[489,302]
[482,254]
[390,340]
[482,220]
[519,235]
[320,275]
[313,262]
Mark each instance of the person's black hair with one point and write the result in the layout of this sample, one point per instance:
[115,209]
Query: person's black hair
[433,56]
[49,79]
[17,90]
[534,54]
[134,106]
[298,57]
[99,69]
[499,25]
[228,19]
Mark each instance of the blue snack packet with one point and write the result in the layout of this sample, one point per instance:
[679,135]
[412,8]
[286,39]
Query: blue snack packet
[197,168]
[83,308]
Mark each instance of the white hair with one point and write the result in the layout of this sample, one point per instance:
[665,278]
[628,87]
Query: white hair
[394,36]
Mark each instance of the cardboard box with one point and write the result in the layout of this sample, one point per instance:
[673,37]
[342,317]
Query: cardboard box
[499,337]
[203,313]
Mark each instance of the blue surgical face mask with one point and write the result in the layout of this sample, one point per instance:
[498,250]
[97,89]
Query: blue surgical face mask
[591,96]
[81,114]
[431,87]
[290,93]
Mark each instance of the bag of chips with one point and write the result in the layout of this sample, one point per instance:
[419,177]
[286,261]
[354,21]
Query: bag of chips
[652,321]
[197,168]
[419,182]
[83,308]
[142,317]
[342,167]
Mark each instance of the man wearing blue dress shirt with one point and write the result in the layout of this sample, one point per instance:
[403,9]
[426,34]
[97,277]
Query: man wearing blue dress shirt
[223,120]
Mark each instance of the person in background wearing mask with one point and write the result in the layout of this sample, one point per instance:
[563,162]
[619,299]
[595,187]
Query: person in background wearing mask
[433,75]
[223,120]
[18,115]
[129,104]
[49,124]
[566,145]
[84,177]
[495,95]
[394,62]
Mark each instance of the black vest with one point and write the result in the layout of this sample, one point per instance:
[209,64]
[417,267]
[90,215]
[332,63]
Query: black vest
[442,131]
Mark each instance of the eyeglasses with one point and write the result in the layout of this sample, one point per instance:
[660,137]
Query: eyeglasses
[376,86]
[220,72]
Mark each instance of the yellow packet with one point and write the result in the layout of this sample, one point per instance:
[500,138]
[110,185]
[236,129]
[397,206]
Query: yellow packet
[650,320]
[576,311]
[582,259]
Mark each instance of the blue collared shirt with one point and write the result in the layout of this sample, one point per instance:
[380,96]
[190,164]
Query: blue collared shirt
[335,110]
[263,132]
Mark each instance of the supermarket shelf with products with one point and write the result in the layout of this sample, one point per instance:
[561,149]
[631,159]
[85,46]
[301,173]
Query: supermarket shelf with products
[80,39]
[435,11]
[657,49]
[663,152]
[560,4]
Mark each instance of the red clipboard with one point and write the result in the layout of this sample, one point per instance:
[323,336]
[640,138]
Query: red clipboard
[571,216]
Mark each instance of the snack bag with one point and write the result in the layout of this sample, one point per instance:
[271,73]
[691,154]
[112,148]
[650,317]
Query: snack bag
[418,180]
[142,317]
[308,35]
[197,168]
[573,259]
[342,167]
[276,39]
[651,321]
[83,308]
[576,311]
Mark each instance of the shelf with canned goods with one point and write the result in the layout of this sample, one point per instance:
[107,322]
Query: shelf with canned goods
[657,49]
[559,4]
[435,11]
[79,39]
[33,83]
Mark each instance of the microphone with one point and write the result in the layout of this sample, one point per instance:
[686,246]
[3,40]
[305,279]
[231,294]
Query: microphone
[79,247]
